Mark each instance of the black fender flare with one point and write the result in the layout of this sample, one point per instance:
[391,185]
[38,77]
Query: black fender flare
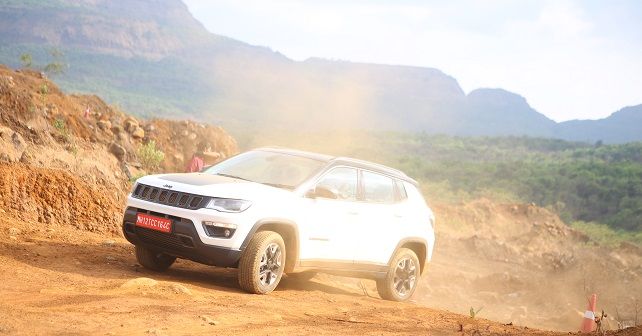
[413,240]
[292,255]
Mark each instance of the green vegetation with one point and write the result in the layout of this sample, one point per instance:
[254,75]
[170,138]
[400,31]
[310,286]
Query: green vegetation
[473,313]
[147,88]
[26,60]
[150,157]
[579,181]
[605,235]
[61,127]
[57,66]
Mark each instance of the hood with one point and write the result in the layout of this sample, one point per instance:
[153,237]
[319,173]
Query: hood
[214,186]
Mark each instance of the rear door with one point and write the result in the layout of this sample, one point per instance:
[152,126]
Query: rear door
[380,225]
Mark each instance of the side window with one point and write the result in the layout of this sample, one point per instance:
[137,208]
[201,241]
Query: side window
[378,188]
[343,181]
[402,195]
[414,195]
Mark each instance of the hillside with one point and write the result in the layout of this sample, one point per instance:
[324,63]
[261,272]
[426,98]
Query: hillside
[154,59]
[67,268]
[43,127]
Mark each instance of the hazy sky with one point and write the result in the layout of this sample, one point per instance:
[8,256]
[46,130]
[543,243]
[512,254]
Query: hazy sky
[570,59]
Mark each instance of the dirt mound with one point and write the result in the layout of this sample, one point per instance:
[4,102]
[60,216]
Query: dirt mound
[523,265]
[70,159]
[55,197]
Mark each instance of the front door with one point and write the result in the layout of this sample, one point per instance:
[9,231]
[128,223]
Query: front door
[331,221]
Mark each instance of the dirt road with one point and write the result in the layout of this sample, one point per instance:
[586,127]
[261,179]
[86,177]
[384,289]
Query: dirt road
[65,281]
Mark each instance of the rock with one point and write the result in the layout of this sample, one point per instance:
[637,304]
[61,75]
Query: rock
[14,231]
[130,125]
[18,142]
[149,128]
[138,133]
[118,151]
[180,289]
[109,242]
[110,258]
[116,129]
[139,283]
[192,136]
[104,124]
[209,320]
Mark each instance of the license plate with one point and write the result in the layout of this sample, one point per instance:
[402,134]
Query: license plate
[154,223]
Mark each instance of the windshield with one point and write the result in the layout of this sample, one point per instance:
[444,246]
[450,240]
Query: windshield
[271,168]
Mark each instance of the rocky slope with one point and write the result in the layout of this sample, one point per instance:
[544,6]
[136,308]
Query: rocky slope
[42,127]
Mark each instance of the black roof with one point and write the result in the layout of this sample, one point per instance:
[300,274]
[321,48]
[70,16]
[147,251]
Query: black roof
[336,161]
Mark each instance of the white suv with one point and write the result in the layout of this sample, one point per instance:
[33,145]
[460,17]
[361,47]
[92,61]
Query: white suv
[274,211]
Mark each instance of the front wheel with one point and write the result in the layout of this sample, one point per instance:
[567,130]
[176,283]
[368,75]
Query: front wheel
[402,277]
[155,261]
[262,263]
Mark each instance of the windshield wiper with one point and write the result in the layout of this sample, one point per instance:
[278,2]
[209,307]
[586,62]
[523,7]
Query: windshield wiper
[232,176]
[277,185]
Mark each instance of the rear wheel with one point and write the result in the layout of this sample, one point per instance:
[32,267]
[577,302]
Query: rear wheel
[402,277]
[262,263]
[153,260]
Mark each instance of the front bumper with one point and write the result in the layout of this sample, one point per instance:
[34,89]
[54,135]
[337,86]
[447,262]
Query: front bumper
[183,242]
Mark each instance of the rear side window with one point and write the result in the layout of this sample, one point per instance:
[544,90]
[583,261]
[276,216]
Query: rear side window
[378,188]
[414,195]
[401,191]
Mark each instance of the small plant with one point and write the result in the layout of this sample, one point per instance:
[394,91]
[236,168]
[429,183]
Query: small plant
[61,127]
[74,150]
[57,65]
[26,60]
[474,312]
[150,157]
[44,89]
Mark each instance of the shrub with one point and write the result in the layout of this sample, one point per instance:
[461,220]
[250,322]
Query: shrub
[61,127]
[150,157]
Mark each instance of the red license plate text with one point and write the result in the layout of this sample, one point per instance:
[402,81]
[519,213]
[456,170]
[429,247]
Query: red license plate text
[154,223]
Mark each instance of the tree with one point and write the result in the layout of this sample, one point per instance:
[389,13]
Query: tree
[26,60]
[57,65]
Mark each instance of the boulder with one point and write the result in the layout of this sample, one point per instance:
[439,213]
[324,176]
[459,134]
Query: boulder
[138,133]
[116,129]
[104,124]
[118,151]
[130,125]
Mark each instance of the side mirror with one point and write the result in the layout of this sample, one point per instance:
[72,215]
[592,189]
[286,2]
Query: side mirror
[323,192]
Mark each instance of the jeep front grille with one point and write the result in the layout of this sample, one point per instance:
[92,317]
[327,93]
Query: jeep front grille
[169,197]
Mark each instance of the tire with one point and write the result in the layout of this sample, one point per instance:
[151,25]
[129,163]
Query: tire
[153,260]
[402,277]
[262,263]
[303,276]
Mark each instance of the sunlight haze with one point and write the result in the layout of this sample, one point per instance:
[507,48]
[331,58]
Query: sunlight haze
[569,59]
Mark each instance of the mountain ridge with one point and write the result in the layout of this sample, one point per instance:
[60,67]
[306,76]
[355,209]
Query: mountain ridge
[153,58]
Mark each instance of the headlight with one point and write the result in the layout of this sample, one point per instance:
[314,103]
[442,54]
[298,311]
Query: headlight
[228,205]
